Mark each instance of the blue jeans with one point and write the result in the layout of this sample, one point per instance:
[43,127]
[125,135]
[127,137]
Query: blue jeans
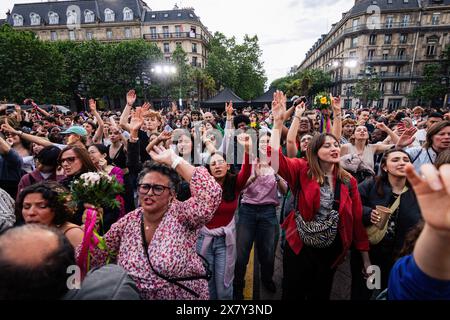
[259,224]
[216,257]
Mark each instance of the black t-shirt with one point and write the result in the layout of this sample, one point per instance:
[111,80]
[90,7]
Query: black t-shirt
[144,140]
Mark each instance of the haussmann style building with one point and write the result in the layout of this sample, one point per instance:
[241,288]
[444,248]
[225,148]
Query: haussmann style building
[390,40]
[115,20]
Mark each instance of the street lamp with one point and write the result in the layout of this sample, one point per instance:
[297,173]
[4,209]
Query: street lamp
[164,70]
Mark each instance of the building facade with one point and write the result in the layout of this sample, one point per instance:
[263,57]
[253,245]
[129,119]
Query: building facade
[112,21]
[389,40]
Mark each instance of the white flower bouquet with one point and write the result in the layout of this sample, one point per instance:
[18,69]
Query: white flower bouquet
[97,189]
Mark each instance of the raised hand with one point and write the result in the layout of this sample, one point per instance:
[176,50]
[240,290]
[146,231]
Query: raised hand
[278,106]
[163,155]
[382,126]
[92,105]
[229,109]
[131,97]
[407,137]
[433,194]
[174,107]
[245,140]
[146,106]
[137,119]
[335,104]
[164,136]
[17,107]
[6,127]
[300,109]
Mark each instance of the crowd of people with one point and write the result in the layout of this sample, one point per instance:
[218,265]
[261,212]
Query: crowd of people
[201,187]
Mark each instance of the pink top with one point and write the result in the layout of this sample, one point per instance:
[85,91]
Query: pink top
[262,191]
[172,250]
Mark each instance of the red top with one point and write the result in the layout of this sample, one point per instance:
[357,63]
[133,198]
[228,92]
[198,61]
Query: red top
[294,171]
[224,214]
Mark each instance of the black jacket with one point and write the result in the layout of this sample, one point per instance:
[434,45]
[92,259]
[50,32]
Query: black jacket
[408,214]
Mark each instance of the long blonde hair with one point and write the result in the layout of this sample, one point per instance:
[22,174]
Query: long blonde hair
[315,170]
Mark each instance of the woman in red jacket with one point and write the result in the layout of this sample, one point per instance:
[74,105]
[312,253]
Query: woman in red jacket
[327,196]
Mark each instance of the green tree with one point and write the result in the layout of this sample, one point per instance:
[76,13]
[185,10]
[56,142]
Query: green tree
[250,74]
[220,64]
[431,88]
[182,85]
[367,90]
[205,85]
[236,66]
[282,83]
[106,69]
[30,68]
[306,82]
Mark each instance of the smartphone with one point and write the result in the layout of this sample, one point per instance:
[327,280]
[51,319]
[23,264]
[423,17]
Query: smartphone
[168,128]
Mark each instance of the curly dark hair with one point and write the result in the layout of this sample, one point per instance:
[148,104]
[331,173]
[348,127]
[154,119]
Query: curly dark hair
[54,193]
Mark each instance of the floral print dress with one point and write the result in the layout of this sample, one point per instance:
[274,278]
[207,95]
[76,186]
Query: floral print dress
[172,249]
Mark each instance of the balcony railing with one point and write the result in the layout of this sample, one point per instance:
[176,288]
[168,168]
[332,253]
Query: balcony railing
[381,75]
[174,35]
[402,58]
[381,26]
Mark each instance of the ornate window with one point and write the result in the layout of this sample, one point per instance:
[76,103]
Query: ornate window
[71,17]
[35,19]
[109,15]
[89,16]
[53,17]
[18,20]
[127,14]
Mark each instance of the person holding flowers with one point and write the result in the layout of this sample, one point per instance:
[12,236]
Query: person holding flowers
[156,242]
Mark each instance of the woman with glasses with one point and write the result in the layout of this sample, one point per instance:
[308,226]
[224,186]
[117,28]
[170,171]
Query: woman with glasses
[217,239]
[75,161]
[156,242]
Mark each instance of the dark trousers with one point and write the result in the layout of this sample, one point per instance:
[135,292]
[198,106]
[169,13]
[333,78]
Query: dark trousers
[259,224]
[308,275]
[381,256]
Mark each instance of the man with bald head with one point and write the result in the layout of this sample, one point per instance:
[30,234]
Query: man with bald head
[33,263]
[38,263]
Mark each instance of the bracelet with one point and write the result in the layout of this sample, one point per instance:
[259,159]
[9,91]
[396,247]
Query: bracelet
[299,119]
[19,133]
[176,162]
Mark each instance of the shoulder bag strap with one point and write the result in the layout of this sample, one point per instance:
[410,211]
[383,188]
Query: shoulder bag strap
[397,201]
[337,195]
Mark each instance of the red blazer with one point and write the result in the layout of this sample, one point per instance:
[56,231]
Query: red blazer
[351,229]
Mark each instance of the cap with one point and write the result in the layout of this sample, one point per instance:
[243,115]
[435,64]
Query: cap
[76,130]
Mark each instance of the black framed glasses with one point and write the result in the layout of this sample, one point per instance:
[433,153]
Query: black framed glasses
[157,189]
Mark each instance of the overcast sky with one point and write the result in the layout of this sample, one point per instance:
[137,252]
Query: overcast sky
[286,28]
